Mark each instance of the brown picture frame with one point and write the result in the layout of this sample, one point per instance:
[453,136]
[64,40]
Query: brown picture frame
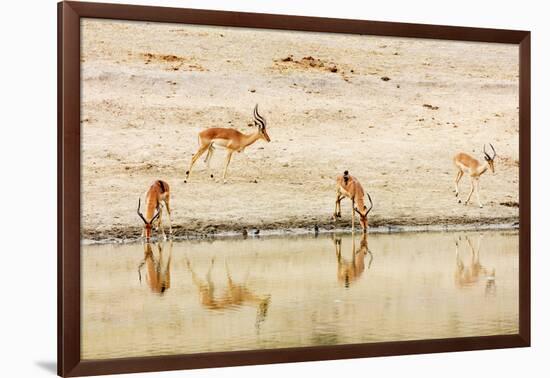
[69,15]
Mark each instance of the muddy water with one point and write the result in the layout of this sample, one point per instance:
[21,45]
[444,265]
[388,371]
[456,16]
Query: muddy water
[236,294]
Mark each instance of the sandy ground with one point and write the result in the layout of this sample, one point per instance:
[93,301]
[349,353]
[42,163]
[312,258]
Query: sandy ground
[391,111]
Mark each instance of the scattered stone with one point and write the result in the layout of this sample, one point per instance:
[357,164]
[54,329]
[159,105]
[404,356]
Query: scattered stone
[510,204]
[431,107]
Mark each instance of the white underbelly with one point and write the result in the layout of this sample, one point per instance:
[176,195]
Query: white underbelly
[463,168]
[220,143]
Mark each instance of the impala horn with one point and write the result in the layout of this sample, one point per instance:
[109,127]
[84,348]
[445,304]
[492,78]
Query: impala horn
[371,205]
[139,212]
[258,119]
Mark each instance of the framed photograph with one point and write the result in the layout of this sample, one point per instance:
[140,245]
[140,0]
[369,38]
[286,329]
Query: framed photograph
[239,188]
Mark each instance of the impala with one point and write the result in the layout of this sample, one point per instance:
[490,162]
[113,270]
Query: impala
[467,164]
[235,294]
[348,186]
[469,275]
[157,269]
[230,139]
[350,271]
[157,197]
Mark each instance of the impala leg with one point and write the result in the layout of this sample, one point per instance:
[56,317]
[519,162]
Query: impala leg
[227,160]
[338,247]
[207,159]
[471,191]
[198,154]
[459,175]
[476,183]
[196,280]
[228,275]
[167,203]
[337,212]
[459,263]
[209,277]
[352,215]
[160,225]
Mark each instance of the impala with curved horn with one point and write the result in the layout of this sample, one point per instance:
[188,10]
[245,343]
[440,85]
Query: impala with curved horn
[157,197]
[349,271]
[230,139]
[157,268]
[467,164]
[348,186]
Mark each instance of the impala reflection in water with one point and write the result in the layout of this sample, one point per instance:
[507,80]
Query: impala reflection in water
[275,292]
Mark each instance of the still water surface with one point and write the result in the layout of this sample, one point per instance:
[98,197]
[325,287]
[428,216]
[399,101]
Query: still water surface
[235,294]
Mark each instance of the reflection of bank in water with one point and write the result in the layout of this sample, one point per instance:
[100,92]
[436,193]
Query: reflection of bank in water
[351,270]
[234,295]
[469,275]
[157,267]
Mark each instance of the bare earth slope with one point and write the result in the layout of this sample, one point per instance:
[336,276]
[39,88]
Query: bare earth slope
[391,111]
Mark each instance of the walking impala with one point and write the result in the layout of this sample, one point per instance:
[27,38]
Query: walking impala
[348,186]
[230,139]
[234,294]
[467,164]
[157,197]
[469,275]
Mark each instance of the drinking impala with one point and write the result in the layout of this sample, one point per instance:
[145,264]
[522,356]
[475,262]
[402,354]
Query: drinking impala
[348,186]
[230,139]
[157,268]
[467,164]
[351,270]
[157,197]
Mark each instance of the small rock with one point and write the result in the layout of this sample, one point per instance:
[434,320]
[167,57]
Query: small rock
[385,78]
